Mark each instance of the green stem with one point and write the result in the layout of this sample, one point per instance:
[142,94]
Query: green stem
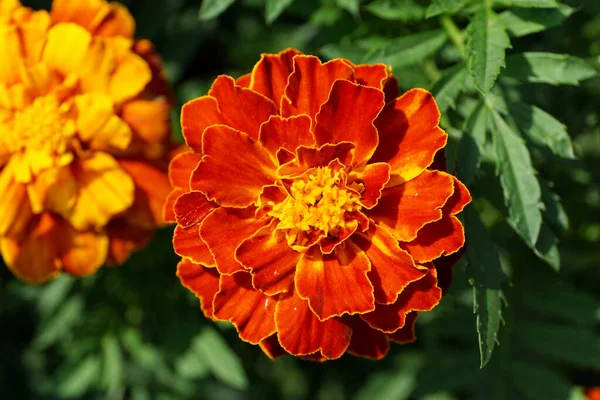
[454,33]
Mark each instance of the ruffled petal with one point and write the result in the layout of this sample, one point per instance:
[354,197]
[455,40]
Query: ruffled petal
[314,157]
[85,13]
[234,169]
[459,199]
[406,208]
[271,347]
[14,204]
[98,125]
[66,47]
[348,115]
[202,281]
[124,238]
[191,208]
[269,258]
[188,244]
[250,311]
[335,284]
[373,75]
[129,78]
[244,80]
[287,133]
[118,22]
[422,295]
[409,136]
[406,334]
[270,74]
[181,168]
[224,230]
[392,269]
[309,85]
[168,213]
[373,178]
[196,116]
[241,108]
[443,237]
[148,119]
[366,341]
[302,333]
[82,253]
[10,54]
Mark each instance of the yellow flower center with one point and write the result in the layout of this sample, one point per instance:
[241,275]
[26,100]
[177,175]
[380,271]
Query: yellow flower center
[317,202]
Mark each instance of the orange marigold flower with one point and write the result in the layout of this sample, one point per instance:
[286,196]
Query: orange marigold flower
[84,138]
[308,211]
[593,393]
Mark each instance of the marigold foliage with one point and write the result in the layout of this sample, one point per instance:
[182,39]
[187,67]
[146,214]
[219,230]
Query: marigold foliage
[313,208]
[84,138]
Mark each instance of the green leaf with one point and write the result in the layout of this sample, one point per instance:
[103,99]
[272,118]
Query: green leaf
[68,314]
[486,277]
[555,69]
[438,7]
[407,50]
[546,247]
[486,48]
[537,382]
[274,8]
[522,193]
[555,213]
[526,3]
[213,8]
[522,22]
[112,362]
[220,359]
[398,384]
[449,85]
[78,381]
[542,128]
[351,6]
[471,143]
[397,10]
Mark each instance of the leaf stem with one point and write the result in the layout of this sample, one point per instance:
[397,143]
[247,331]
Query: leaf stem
[454,33]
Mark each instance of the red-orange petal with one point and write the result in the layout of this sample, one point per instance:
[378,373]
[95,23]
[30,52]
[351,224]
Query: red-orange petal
[124,238]
[271,347]
[366,341]
[443,237]
[373,75]
[348,115]
[250,311]
[234,168]
[337,283]
[241,108]
[406,208]
[196,116]
[392,269]
[373,177]
[168,213]
[191,208]
[270,74]
[287,133]
[202,281]
[244,80]
[459,199]
[309,85]
[187,243]
[313,157]
[406,334]
[181,168]
[302,333]
[224,230]
[409,135]
[270,259]
[422,295]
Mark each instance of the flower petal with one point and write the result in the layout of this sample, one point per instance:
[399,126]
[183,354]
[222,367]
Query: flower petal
[188,244]
[124,238]
[66,47]
[168,213]
[181,168]
[392,269]
[270,74]
[241,108]
[224,230]
[269,258]
[191,208]
[374,178]
[148,119]
[82,253]
[14,205]
[422,295]
[98,125]
[443,237]
[85,13]
[406,208]
[287,133]
[348,115]
[129,78]
[271,347]
[118,22]
[373,75]
[309,85]
[202,281]
[244,80]
[406,334]
[196,116]
[232,181]
[313,157]
[409,135]
[250,311]
[302,333]
[459,199]
[104,190]
[366,341]
[335,284]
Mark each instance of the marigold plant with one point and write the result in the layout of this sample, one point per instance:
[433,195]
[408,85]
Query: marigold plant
[310,210]
[84,138]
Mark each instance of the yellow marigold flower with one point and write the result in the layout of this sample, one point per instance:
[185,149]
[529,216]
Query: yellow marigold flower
[84,138]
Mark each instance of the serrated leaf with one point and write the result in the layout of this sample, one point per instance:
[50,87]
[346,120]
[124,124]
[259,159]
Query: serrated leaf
[522,193]
[526,3]
[486,48]
[438,7]
[112,361]
[274,8]
[352,51]
[449,85]
[486,277]
[555,213]
[546,247]
[471,143]
[213,8]
[407,50]
[349,5]
[522,22]
[552,68]
[397,10]
[220,359]
[541,128]
[538,382]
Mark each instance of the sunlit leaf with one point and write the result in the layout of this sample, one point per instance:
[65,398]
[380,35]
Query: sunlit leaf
[445,6]
[85,374]
[555,69]
[449,85]
[397,10]
[67,315]
[524,21]
[527,3]
[546,247]
[274,8]
[351,6]
[213,8]
[112,362]
[555,212]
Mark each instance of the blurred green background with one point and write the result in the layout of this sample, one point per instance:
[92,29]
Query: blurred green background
[134,332]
